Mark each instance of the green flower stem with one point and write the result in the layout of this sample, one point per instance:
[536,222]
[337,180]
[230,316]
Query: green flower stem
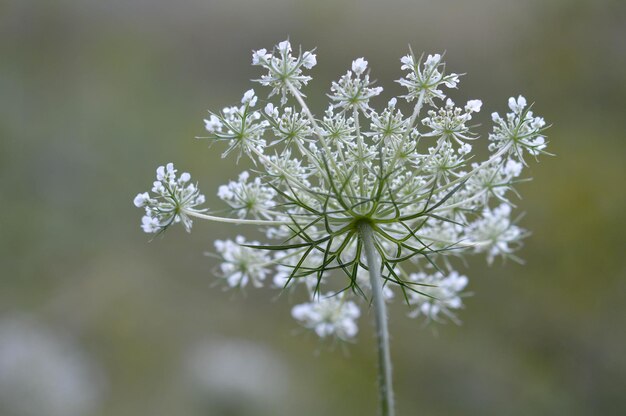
[298,96]
[207,217]
[380,309]
[359,139]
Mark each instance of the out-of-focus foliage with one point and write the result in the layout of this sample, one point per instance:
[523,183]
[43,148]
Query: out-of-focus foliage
[95,94]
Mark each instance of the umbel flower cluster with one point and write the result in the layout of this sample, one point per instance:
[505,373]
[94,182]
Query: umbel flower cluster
[404,176]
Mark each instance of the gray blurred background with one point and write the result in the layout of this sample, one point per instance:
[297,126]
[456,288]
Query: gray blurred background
[95,94]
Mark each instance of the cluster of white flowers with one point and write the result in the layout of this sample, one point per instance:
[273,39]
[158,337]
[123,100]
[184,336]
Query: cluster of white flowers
[494,232]
[441,295]
[519,131]
[424,80]
[241,264]
[248,198]
[449,122]
[174,198]
[329,315]
[284,70]
[239,126]
[353,91]
[414,181]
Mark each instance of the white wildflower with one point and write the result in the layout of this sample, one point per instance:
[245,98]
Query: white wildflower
[283,168]
[512,168]
[465,149]
[241,127]
[141,200]
[517,105]
[450,122]
[291,125]
[174,199]
[426,79]
[493,180]
[473,106]
[390,124]
[284,74]
[354,92]
[270,110]
[241,264]
[352,198]
[213,124]
[249,98]
[339,130]
[359,66]
[309,60]
[495,233]
[284,47]
[519,132]
[413,177]
[248,198]
[439,295]
[150,224]
[329,315]
[260,56]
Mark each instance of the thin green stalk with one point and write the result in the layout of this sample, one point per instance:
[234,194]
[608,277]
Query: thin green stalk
[316,128]
[202,216]
[359,139]
[382,332]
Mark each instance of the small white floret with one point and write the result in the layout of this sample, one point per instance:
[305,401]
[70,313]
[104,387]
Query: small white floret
[141,199]
[284,46]
[517,106]
[309,60]
[249,98]
[432,60]
[260,56]
[473,106]
[513,168]
[359,66]
[213,124]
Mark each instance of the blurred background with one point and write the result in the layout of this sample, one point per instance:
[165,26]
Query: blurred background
[97,320]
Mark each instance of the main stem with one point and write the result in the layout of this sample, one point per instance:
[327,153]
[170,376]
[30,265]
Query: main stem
[382,332]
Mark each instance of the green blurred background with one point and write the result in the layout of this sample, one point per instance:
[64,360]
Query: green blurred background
[95,94]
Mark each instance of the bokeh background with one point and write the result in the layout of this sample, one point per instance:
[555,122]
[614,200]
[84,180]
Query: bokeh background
[95,94]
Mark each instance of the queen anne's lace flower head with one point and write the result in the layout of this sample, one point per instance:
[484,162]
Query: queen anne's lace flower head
[248,198]
[241,126]
[450,121]
[329,315]
[354,90]
[173,200]
[440,296]
[519,132]
[409,173]
[242,265]
[424,79]
[284,69]
[495,233]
